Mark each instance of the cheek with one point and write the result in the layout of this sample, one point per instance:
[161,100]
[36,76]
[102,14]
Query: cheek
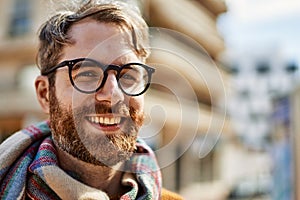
[137,103]
[67,95]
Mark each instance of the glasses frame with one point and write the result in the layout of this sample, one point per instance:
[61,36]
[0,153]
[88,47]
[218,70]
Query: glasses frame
[118,68]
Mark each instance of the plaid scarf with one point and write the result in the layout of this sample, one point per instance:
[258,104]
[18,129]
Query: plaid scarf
[29,168]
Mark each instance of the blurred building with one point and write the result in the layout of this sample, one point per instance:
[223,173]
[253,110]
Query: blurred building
[190,46]
[186,104]
[20,20]
[265,83]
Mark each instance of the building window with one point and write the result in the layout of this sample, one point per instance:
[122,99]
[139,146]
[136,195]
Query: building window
[20,18]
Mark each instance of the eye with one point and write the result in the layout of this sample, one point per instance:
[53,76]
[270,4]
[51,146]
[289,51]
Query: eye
[128,77]
[87,74]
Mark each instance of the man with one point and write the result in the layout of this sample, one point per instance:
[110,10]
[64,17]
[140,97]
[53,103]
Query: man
[92,82]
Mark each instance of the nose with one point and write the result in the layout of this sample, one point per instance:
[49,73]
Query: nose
[110,91]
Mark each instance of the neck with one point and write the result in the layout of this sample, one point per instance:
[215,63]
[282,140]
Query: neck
[105,178]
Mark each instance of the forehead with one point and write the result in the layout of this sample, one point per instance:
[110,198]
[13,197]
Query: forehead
[102,41]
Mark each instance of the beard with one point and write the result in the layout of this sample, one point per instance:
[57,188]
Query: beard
[89,146]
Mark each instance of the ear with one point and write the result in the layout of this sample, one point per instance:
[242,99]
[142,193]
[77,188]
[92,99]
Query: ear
[42,92]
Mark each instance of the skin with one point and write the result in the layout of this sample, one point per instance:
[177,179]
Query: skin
[93,40]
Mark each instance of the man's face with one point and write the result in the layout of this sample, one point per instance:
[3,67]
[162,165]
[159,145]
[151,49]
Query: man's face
[99,128]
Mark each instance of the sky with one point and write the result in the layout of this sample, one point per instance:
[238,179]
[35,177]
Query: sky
[262,24]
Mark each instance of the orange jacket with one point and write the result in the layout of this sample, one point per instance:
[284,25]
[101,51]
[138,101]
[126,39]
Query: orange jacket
[168,195]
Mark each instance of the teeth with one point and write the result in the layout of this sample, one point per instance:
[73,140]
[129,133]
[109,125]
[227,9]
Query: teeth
[112,120]
[105,120]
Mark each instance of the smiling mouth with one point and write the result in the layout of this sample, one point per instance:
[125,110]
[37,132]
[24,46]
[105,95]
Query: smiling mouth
[106,121]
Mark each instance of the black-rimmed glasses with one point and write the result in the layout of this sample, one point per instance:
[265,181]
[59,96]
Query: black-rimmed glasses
[88,75]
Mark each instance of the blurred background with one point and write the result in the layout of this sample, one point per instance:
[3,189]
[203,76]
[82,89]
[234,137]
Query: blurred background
[224,105]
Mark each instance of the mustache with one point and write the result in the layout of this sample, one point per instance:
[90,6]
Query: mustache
[104,108]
